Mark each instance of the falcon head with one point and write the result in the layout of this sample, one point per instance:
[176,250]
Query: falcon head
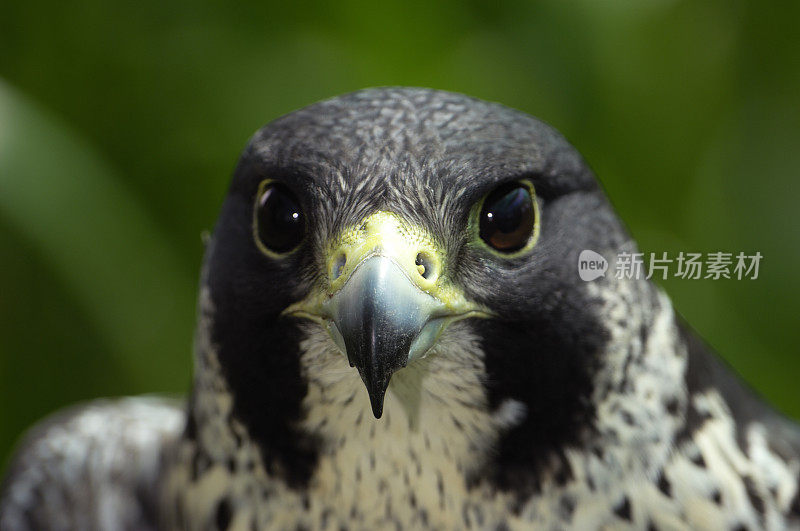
[394,230]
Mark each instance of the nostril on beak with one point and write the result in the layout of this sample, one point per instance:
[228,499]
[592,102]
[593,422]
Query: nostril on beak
[338,266]
[425,266]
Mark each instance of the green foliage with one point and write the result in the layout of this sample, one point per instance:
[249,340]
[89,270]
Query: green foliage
[120,124]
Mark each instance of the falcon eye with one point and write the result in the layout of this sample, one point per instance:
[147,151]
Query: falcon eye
[278,219]
[508,218]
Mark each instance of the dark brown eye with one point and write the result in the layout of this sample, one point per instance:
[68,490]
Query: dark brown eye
[279,221]
[507,218]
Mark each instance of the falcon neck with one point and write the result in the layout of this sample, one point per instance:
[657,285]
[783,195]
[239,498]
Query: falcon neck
[436,409]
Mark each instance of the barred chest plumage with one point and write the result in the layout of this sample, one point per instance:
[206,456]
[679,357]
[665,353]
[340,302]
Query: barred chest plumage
[427,462]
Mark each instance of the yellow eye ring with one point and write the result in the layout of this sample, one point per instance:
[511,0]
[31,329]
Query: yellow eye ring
[279,223]
[506,220]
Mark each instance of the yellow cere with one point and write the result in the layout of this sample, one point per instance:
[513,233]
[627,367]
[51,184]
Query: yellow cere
[384,233]
[411,247]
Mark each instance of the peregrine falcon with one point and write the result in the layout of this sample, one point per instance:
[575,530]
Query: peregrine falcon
[392,334]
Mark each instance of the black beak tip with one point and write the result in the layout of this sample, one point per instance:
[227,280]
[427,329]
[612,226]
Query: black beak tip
[377,406]
[377,394]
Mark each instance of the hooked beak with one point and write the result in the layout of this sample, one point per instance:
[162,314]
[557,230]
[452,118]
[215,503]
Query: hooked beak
[384,320]
[387,302]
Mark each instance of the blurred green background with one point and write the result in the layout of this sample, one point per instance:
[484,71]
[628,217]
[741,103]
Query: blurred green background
[120,123]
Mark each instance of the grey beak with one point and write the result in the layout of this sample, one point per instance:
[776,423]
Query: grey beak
[384,320]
